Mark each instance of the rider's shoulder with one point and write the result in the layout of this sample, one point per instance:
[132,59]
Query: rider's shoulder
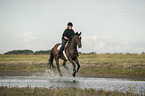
[72,29]
[66,29]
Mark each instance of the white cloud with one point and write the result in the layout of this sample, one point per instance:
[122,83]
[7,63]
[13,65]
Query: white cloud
[106,44]
[101,44]
[132,12]
[28,36]
[94,37]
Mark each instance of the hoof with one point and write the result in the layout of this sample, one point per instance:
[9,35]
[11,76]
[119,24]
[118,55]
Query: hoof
[53,67]
[60,75]
[74,74]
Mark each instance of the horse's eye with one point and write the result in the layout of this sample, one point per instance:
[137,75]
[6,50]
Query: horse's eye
[79,37]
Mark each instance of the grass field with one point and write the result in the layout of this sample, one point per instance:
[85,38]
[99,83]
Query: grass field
[100,65]
[28,91]
[112,65]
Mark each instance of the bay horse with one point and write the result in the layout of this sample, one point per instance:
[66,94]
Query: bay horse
[71,54]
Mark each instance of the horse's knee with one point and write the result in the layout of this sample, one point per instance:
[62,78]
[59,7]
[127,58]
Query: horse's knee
[74,65]
[78,69]
[78,65]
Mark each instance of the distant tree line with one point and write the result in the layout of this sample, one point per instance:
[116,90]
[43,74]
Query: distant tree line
[28,52]
[43,52]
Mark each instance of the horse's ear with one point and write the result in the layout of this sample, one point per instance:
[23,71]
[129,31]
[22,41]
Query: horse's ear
[75,33]
[80,33]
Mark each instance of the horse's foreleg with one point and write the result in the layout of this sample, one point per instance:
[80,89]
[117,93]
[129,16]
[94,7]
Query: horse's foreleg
[64,63]
[78,64]
[74,65]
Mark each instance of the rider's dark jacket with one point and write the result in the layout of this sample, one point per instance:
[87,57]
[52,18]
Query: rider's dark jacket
[68,33]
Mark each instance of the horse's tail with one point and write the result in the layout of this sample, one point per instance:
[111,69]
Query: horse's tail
[51,59]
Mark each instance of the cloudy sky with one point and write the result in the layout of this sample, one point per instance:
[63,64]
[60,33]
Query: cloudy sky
[108,26]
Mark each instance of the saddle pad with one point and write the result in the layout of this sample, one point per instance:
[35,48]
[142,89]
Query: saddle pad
[58,48]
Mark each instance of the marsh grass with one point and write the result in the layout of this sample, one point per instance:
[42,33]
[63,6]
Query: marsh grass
[29,91]
[113,64]
[106,64]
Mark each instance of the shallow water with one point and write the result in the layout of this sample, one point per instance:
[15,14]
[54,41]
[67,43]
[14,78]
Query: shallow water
[77,82]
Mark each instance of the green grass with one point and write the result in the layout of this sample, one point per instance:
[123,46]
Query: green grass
[23,57]
[94,65]
[23,62]
[28,91]
[113,64]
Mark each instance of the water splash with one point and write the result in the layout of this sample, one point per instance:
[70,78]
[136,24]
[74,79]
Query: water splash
[66,73]
[52,79]
[77,82]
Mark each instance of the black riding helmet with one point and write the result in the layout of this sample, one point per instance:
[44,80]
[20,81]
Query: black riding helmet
[70,24]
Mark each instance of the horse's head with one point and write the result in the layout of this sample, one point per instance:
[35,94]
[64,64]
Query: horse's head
[77,37]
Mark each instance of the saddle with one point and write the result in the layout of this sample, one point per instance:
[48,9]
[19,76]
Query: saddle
[64,53]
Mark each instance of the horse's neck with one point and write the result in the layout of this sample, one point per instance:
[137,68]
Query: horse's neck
[73,45]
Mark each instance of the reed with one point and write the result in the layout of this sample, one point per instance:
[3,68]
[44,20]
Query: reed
[29,91]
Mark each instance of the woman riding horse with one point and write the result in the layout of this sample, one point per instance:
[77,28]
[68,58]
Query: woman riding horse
[67,36]
[70,51]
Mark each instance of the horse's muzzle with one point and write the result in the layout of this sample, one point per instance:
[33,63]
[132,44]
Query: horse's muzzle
[80,46]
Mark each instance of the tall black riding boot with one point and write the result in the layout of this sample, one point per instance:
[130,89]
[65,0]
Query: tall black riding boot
[62,48]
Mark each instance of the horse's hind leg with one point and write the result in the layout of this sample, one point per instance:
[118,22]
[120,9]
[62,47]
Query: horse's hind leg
[50,64]
[64,65]
[58,67]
